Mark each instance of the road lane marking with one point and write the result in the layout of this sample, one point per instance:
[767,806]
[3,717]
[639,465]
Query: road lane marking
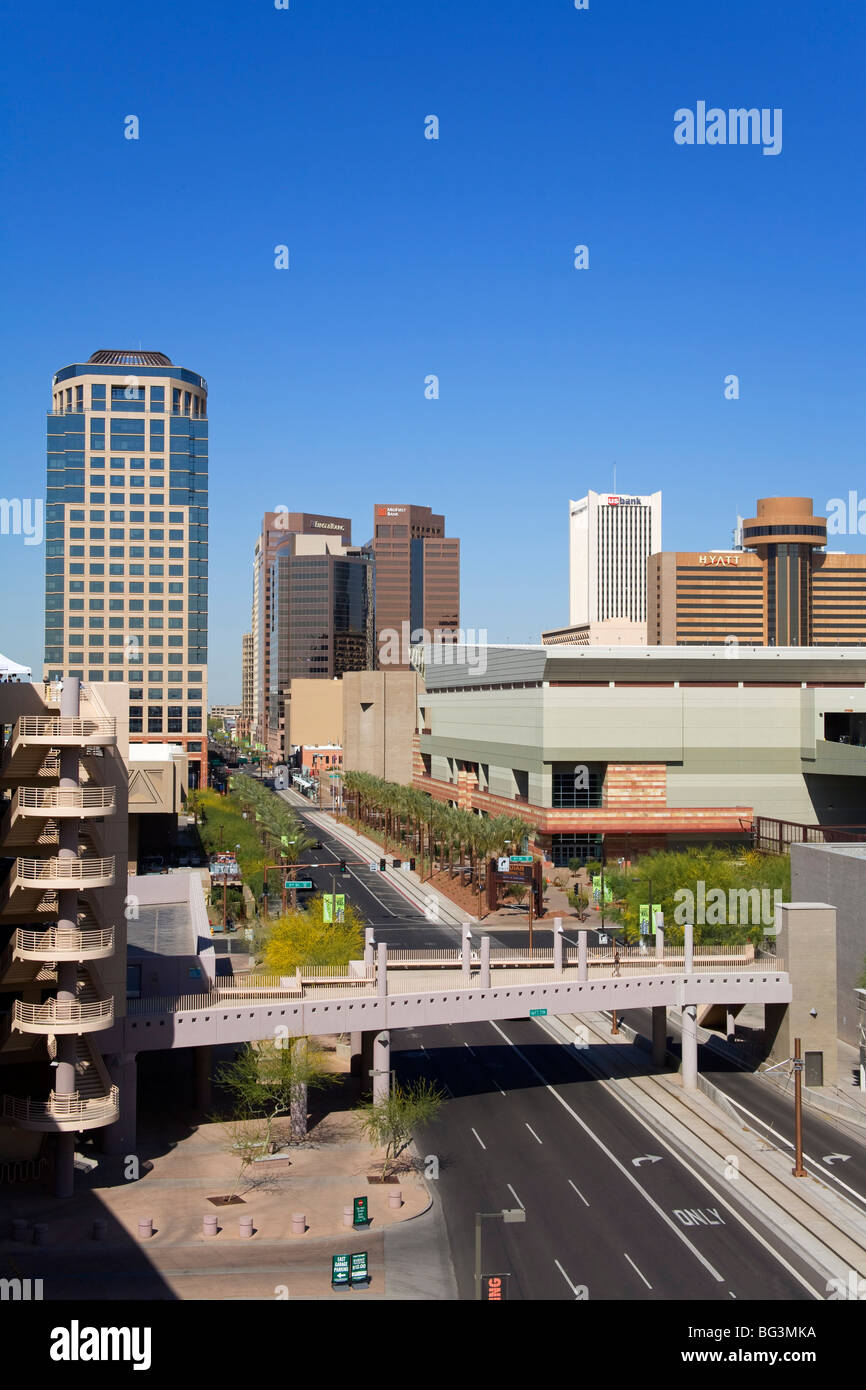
[828,1172]
[657,1137]
[573,1287]
[579,1193]
[470,1049]
[636,1270]
[615,1161]
[515,1196]
[532,1131]
[480,1140]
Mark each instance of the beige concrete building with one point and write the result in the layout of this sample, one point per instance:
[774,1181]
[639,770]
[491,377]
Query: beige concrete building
[380,717]
[63,838]
[313,712]
[126,571]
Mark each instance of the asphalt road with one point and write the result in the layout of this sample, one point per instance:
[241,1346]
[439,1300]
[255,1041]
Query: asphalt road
[771,1112]
[525,1126]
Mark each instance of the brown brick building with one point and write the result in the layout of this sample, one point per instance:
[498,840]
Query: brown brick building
[782,589]
[417,580]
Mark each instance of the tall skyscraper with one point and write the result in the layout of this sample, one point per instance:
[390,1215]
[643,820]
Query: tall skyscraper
[127,540]
[276,526]
[417,581]
[611,537]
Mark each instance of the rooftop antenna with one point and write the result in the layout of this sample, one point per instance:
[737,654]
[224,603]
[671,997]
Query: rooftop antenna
[614,477]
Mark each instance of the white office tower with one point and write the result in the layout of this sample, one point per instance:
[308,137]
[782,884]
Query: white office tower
[610,537]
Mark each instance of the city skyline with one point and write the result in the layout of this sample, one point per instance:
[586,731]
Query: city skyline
[455,257]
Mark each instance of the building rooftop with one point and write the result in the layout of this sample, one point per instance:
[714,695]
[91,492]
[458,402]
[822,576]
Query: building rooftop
[129,357]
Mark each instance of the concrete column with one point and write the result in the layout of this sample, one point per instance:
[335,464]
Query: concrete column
[582,965]
[690,1047]
[382,970]
[730,1022]
[356,1042]
[120,1138]
[466,955]
[485,962]
[689,951]
[660,943]
[203,1084]
[367,1061]
[557,945]
[660,1031]
[381,1065]
[369,948]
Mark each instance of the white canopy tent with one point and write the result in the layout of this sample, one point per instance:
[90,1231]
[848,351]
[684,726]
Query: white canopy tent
[11,671]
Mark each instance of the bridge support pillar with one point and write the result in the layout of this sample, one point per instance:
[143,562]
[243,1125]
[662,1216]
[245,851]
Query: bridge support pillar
[690,1047]
[557,946]
[356,1041]
[485,962]
[582,966]
[367,1062]
[466,955]
[731,1012]
[660,1034]
[381,1065]
[121,1137]
[203,1085]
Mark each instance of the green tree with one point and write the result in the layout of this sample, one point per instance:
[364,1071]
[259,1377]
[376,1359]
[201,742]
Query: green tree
[390,1123]
[269,1081]
[303,938]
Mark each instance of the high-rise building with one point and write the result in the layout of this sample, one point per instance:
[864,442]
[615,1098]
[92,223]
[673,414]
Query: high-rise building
[610,537]
[417,581]
[127,540]
[245,721]
[782,590]
[276,526]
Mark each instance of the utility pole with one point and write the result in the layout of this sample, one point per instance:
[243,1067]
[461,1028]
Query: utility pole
[798,1170]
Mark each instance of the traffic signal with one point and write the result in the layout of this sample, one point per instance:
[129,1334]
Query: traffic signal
[382,865]
[396,863]
[343,869]
[412,865]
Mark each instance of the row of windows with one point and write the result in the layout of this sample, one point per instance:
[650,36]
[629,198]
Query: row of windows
[197,599]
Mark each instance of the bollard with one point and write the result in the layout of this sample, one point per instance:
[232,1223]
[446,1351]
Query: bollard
[99,1230]
[395,1198]
[299,1223]
[245,1227]
[40,1233]
[210,1225]
[145,1227]
[20,1229]
[349,1214]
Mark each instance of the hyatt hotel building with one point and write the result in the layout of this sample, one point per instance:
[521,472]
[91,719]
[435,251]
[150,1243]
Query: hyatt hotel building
[782,589]
[127,540]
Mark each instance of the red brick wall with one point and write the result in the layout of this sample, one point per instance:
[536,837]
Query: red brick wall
[627,783]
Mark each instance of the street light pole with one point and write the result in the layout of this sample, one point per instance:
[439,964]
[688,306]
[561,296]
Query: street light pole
[798,1170]
[508,1215]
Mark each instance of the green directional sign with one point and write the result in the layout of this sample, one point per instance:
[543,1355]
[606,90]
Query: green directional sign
[298,883]
[340,1272]
[520,858]
[360,1216]
[538,1013]
[359,1271]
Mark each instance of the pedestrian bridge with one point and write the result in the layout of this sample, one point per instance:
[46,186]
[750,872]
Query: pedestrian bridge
[412,989]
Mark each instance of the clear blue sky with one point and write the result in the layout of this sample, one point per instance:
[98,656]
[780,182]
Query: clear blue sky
[408,257]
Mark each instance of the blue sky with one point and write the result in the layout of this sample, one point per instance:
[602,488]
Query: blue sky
[410,256]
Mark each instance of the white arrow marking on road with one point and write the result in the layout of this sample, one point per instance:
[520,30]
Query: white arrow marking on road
[831,1158]
[647,1158]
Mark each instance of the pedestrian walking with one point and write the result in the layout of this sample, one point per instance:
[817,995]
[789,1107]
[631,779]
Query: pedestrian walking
[616,962]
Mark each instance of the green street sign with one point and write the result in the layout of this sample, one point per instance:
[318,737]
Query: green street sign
[284,841]
[329,914]
[298,883]
[359,1271]
[359,1215]
[340,1272]
[538,1013]
[520,858]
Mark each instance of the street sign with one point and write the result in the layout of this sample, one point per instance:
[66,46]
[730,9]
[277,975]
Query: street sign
[647,918]
[359,1272]
[298,883]
[328,912]
[360,1216]
[340,1272]
[494,1287]
[502,865]
[374,866]
[520,858]
[538,1013]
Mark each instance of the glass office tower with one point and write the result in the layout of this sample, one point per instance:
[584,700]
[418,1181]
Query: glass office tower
[127,540]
